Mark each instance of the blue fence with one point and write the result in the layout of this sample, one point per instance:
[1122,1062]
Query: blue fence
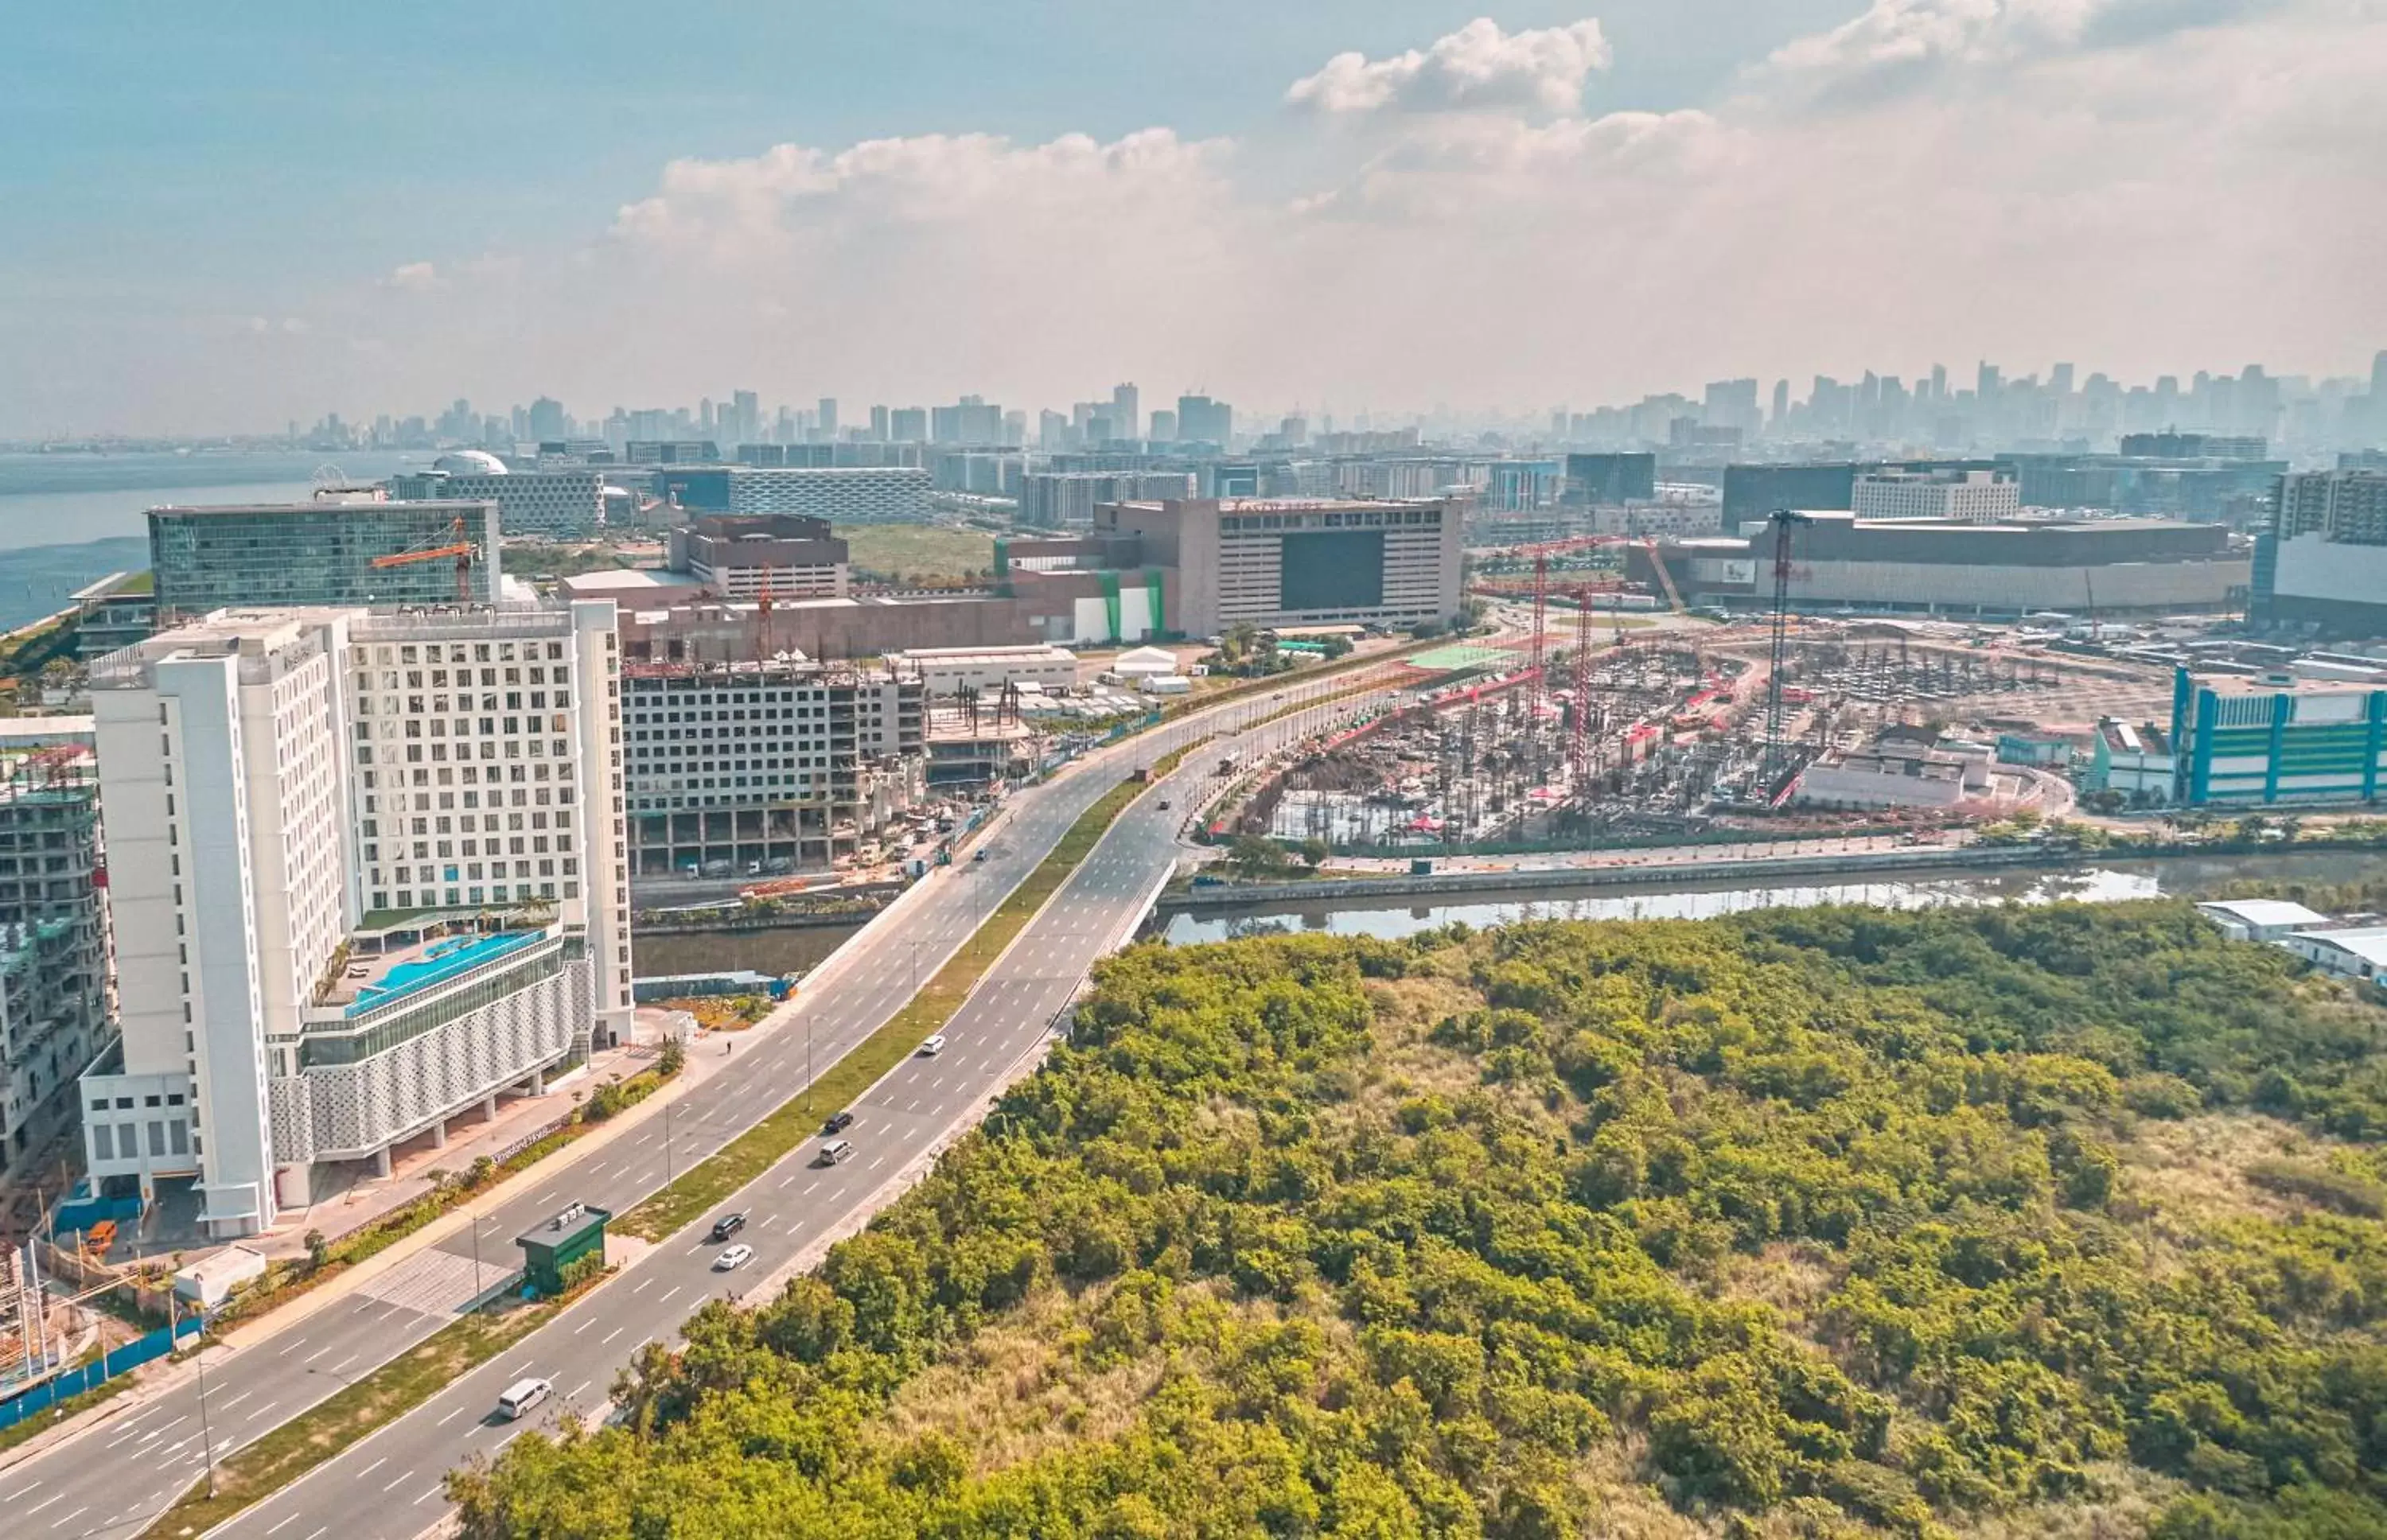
[82,1212]
[74,1381]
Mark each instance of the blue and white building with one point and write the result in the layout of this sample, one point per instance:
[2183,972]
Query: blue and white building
[367,871]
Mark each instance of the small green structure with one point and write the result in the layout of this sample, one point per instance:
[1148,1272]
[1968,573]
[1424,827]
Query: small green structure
[577,1231]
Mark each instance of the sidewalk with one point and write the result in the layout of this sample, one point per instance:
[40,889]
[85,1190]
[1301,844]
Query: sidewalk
[368,1197]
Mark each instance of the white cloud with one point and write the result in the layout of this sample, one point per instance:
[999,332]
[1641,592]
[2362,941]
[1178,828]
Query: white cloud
[2139,186]
[1899,45]
[1477,66]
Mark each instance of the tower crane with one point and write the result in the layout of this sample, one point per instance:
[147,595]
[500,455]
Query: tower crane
[463,550]
[1783,521]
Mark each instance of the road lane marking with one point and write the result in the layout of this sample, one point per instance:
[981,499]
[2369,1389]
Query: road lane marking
[449,1417]
[427,1495]
[292,1519]
[674,1294]
[71,1518]
[256,1412]
[610,1336]
[584,1326]
[38,1506]
[393,1484]
[317,1354]
[579,1388]
[374,1467]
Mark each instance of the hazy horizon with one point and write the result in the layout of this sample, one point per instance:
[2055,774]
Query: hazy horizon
[225,222]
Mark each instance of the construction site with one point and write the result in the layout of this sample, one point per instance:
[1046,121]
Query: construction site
[1594,734]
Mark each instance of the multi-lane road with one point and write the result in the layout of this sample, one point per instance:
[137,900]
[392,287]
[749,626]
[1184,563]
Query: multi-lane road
[114,1480]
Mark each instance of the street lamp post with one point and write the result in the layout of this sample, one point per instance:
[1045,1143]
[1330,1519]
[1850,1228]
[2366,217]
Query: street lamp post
[207,1442]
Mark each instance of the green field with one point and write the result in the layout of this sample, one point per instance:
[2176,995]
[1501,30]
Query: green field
[916,552]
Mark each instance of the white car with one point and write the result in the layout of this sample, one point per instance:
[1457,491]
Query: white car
[735,1258]
[521,1396]
[933,1045]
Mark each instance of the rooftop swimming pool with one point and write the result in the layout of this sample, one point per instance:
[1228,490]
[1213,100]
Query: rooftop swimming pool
[437,962]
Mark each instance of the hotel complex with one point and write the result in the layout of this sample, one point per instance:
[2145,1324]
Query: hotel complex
[367,871]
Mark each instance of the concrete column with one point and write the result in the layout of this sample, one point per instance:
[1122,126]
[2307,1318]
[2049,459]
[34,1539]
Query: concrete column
[381,1161]
[439,1134]
[489,1110]
[538,1082]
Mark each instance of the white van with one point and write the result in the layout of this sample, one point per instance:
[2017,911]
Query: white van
[522,1395]
[835,1151]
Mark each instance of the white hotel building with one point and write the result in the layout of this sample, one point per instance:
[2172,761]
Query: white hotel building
[367,870]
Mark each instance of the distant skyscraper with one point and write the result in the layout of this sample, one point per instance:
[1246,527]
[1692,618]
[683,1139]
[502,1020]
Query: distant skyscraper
[546,420]
[908,425]
[1164,426]
[1985,382]
[826,418]
[879,430]
[1126,413]
[1202,421]
[1781,403]
[2059,378]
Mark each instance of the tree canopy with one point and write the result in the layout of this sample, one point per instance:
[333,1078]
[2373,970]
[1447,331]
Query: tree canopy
[1818,1222]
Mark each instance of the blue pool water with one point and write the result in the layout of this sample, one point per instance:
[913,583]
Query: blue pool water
[443,960]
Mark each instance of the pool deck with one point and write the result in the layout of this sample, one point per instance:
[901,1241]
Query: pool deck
[370,982]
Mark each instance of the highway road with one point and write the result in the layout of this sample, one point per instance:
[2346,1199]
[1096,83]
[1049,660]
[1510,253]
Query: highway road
[112,1481]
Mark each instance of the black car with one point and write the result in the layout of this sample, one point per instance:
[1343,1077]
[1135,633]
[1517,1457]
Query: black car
[839,1123]
[727,1225]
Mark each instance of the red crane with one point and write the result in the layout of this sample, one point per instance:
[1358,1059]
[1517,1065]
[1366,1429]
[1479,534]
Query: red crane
[1541,593]
[1578,746]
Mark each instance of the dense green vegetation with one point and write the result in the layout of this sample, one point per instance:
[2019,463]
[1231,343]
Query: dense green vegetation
[1819,1222]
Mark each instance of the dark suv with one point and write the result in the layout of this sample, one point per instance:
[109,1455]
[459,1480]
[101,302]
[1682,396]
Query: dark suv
[727,1225]
[839,1123]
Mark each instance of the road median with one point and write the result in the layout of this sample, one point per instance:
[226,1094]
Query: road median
[712,1180]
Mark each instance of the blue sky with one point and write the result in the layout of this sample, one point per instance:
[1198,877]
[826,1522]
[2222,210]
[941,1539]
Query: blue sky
[236,132]
[175,174]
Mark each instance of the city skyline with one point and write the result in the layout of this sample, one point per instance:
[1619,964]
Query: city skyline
[1590,204]
[1987,406]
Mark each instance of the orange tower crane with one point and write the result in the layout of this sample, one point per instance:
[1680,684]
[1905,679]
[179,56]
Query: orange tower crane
[461,550]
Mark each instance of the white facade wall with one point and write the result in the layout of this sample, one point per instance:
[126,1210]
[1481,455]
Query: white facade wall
[263,776]
[1981,497]
[826,580]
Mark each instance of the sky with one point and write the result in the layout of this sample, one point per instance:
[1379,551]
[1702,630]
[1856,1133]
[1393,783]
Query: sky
[218,219]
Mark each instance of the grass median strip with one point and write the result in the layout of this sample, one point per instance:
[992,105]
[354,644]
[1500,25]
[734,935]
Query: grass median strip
[288,1452]
[711,1181]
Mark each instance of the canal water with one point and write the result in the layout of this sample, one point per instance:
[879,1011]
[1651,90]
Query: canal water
[791,949]
[800,948]
[2106,882]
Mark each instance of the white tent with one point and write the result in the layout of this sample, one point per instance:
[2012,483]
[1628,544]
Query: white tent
[1144,662]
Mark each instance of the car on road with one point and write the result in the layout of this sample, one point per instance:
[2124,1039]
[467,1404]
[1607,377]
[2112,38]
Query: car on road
[727,1225]
[522,1395]
[1164,804]
[980,856]
[837,1122]
[932,1045]
[735,1258]
[834,1152]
